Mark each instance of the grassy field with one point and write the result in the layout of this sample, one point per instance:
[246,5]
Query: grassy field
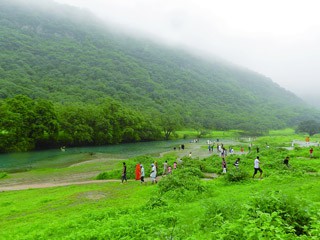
[284,204]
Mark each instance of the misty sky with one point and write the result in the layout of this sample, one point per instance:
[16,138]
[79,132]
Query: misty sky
[277,38]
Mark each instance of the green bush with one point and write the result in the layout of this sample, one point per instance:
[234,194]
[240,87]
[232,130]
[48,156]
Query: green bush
[294,213]
[182,180]
[3,175]
[156,202]
[115,174]
[236,175]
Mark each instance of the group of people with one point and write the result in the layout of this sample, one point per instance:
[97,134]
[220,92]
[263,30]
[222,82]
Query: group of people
[224,164]
[257,167]
[140,172]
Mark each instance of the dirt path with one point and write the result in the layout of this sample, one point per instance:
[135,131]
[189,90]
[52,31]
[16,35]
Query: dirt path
[50,184]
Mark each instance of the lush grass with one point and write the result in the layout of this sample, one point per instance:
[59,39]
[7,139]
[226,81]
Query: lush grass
[283,205]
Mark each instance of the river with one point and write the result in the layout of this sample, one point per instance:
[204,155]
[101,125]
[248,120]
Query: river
[14,162]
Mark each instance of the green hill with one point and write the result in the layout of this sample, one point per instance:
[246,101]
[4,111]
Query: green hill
[65,55]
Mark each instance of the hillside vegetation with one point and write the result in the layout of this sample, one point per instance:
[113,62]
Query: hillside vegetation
[66,56]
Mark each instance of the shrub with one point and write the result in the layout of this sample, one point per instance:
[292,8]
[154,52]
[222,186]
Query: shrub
[3,175]
[236,175]
[185,179]
[293,212]
[115,174]
[156,202]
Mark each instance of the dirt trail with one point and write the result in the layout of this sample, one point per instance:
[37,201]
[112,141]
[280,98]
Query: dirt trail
[50,184]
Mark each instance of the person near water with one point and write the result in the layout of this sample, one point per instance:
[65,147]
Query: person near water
[286,161]
[124,173]
[153,174]
[141,173]
[138,171]
[165,168]
[257,167]
[224,166]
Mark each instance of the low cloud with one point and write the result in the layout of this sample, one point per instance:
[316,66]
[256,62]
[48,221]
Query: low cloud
[278,39]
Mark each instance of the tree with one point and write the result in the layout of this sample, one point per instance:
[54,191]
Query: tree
[311,127]
[24,122]
[170,122]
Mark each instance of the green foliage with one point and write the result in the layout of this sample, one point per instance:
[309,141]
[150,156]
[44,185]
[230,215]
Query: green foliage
[311,127]
[182,181]
[284,205]
[60,54]
[293,214]
[156,202]
[237,175]
[26,123]
[3,175]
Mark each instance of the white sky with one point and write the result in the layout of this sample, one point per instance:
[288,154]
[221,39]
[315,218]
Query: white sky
[277,38]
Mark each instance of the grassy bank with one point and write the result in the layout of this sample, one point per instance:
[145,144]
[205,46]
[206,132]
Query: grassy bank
[283,205]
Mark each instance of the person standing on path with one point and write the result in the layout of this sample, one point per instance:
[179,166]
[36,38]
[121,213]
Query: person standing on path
[124,173]
[141,173]
[165,168]
[257,167]
[153,174]
[138,171]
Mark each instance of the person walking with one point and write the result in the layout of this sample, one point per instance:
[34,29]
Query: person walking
[175,165]
[286,161]
[124,173]
[153,174]
[165,168]
[257,167]
[138,171]
[141,173]
[224,166]
[236,163]
[311,152]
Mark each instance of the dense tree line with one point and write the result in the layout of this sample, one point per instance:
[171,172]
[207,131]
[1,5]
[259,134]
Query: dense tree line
[26,124]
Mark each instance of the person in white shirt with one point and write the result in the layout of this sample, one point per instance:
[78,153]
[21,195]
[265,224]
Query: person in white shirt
[141,173]
[257,167]
[153,174]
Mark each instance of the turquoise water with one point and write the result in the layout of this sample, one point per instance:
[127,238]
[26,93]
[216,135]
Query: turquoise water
[56,158]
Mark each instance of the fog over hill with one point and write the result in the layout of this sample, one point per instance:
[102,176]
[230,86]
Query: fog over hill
[276,39]
[66,55]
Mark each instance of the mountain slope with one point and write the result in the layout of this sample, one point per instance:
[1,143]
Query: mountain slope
[65,55]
